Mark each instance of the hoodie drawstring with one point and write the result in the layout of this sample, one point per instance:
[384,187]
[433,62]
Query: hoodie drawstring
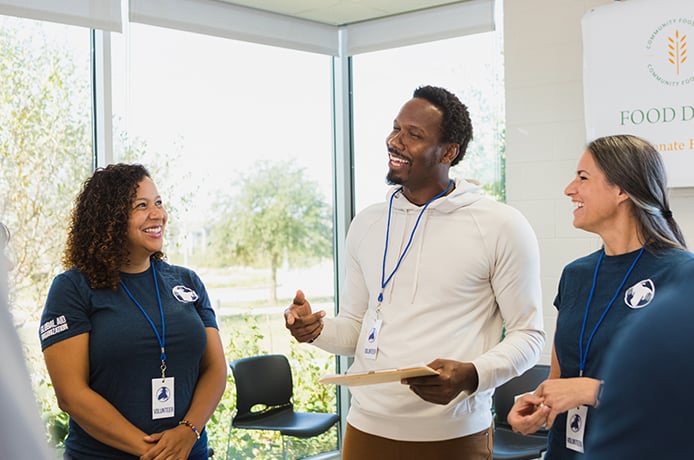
[420,246]
[384,280]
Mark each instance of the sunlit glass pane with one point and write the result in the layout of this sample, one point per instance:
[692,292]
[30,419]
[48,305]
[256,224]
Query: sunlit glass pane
[238,138]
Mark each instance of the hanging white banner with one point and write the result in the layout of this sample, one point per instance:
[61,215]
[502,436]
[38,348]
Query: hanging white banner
[638,77]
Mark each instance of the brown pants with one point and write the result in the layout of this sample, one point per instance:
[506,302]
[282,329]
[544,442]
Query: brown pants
[363,446]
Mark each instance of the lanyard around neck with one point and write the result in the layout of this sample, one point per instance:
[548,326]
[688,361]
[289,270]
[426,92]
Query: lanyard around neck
[384,280]
[160,338]
[583,355]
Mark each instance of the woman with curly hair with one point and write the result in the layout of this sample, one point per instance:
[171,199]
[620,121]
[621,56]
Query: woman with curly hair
[131,342]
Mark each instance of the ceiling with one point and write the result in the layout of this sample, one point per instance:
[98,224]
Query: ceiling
[340,12]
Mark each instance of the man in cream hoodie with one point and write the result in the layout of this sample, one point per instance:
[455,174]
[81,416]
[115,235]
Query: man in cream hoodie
[435,275]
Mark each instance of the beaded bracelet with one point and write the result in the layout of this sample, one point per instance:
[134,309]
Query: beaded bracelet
[191,426]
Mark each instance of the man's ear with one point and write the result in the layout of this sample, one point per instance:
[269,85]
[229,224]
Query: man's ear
[450,153]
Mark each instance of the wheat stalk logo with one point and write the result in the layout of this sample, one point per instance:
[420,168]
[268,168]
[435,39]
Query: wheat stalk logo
[677,50]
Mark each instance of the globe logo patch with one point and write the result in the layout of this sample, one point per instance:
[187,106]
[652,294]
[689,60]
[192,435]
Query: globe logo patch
[184,294]
[640,294]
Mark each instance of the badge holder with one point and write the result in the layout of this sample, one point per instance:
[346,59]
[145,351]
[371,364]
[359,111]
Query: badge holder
[163,395]
[576,419]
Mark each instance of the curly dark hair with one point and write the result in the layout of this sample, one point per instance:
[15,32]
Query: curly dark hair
[97,238]
[456,127]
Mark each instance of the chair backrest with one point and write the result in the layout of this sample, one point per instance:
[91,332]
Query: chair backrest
[504,396]
[264,380]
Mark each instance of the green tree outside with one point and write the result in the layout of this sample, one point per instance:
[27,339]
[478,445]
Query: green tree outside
[45,156]
[485,159]
[277,216]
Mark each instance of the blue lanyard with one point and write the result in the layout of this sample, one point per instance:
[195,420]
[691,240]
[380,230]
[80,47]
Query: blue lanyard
[384,281]
[583,356]
[160,338]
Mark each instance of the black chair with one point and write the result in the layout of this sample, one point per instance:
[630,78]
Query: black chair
[507,444]
[264,391]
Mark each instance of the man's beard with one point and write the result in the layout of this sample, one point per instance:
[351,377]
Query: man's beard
[392,179]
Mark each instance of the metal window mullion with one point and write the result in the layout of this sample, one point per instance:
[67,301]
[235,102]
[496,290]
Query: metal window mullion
[102,129]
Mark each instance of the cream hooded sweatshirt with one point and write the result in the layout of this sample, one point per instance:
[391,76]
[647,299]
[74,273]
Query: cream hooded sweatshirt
[472,267]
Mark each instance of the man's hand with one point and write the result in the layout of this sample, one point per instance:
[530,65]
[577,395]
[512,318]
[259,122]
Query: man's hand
[454,377]
[304,325]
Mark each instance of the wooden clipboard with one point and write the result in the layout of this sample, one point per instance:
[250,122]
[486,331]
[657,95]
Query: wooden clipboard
[377,376]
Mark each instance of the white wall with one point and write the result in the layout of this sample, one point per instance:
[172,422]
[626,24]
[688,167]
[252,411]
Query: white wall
[546,132]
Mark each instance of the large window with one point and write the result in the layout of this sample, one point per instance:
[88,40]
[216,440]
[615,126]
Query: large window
[45,154]
[239,139]
[471,67]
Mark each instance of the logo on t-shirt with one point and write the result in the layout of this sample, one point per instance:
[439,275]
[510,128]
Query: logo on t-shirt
[184,294]
[53,326]
[640,294]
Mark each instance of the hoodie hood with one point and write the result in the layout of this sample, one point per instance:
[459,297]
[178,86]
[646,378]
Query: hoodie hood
[464,194]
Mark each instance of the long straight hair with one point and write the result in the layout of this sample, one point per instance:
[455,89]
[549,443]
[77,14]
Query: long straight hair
[635,166]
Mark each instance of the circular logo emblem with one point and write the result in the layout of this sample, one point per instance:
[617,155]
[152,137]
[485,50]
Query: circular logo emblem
[163,394]
[640,294]
[666,49]
[184,294]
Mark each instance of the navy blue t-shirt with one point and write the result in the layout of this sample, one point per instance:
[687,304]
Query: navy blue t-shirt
[124,353]
[646,404]
[650,272]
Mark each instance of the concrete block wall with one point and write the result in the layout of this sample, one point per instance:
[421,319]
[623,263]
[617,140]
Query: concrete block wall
[545,132]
